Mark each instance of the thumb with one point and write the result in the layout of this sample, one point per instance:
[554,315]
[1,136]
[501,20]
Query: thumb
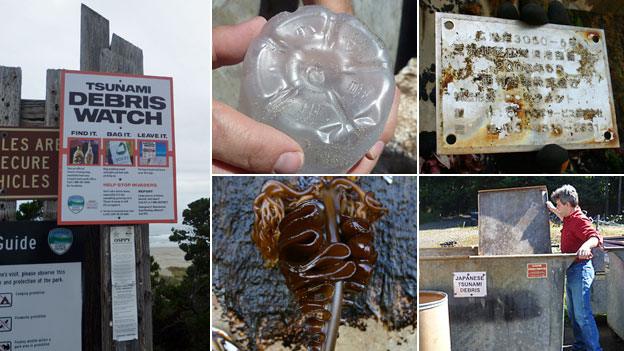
[251,146]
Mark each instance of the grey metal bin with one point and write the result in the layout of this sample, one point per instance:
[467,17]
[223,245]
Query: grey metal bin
[517,309]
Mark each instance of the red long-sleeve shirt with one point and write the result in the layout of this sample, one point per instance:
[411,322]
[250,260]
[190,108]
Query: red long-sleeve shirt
[577,229]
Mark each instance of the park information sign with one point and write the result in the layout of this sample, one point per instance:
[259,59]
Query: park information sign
[117,159]
[28,163]
[40,286]
[503,86]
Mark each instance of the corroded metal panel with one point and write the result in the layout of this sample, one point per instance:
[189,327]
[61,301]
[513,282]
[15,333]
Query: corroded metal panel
[514,221]
[503,86]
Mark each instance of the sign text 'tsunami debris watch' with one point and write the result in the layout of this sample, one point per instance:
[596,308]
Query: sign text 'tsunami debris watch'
[117,158]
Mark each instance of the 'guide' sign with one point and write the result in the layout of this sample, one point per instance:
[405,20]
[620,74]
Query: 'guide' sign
[117,158]
[41,301]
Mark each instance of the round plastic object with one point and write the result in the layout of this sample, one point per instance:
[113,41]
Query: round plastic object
[323,79]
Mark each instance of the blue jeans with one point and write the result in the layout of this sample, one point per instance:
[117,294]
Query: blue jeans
[580,276]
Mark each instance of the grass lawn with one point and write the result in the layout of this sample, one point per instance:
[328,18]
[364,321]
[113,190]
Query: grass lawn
[469,236]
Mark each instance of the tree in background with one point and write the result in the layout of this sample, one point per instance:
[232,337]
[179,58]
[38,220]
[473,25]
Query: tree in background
[181,310]
[451,196]
[30,211]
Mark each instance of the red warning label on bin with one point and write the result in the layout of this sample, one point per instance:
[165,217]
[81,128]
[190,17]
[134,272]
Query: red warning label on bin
[537,270]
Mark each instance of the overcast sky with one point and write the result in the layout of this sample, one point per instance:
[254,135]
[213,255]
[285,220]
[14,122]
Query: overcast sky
[175,38]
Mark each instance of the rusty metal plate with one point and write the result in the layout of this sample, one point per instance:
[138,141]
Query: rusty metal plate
[28,163]
[504,86]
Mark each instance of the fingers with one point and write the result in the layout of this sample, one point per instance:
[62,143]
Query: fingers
[230,43]
[242,144]
[532,12]
[337,6]
[557,13]
[508,10]
[368,162]
[584,254]
[552,158]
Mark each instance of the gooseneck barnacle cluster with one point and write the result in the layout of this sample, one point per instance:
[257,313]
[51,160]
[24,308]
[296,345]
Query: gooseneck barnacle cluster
[322,240]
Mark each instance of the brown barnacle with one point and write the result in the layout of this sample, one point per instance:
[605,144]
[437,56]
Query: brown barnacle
[322,239]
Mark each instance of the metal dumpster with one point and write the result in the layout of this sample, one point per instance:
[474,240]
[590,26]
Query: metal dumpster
[449,251]
[615,290]
[520,306]
[599,294]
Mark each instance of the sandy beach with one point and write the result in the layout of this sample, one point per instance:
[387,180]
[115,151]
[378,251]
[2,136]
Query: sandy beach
[168,257]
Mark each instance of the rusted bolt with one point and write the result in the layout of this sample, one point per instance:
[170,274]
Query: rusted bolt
[451,139]
[4,135]
[449,25]
[607,135]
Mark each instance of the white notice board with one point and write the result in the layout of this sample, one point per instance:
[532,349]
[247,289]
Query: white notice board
[41,307]
[123,281]
[470,284]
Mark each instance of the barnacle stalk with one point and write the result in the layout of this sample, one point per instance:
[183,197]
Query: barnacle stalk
[322,240]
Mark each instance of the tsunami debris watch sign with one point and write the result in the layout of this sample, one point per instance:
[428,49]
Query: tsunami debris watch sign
[117,153]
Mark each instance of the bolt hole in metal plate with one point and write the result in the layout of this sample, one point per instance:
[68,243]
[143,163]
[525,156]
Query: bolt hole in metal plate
[504,86]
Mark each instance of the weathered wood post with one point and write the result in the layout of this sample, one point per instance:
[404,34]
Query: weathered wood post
[122,57]
[97,310]
[10,98]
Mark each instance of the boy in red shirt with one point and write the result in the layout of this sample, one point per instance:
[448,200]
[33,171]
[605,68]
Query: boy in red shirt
[578,236]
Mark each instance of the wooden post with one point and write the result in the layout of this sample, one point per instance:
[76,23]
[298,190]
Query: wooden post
[121,56]
[51,119]
[10,98]
[95,55]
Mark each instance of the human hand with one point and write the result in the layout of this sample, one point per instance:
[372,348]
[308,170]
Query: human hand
[551,207]
[532,12]
[337,6]
[241,144]
[584,253]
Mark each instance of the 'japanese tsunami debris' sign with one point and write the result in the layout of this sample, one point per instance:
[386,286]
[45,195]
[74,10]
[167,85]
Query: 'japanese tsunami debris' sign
[117,155]
[504,86]
[469,284]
